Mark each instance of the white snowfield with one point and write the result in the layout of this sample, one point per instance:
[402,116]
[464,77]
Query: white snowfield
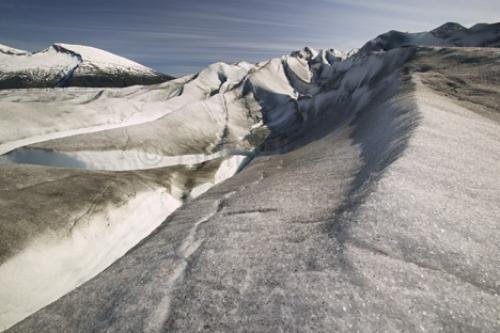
[27,62]
[64,64]
[370,204]
[11,50]
[93,58]
[45,65]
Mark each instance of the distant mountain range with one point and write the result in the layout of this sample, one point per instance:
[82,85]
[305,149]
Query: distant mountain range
[449,34]
[64,65]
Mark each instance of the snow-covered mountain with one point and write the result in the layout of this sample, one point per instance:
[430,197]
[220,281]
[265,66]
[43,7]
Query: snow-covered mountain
[449,34]
[62,65]
[317,191]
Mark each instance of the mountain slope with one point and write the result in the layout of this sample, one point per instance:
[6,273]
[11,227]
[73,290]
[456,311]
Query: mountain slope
[370,203]
[449,34]
[62,65]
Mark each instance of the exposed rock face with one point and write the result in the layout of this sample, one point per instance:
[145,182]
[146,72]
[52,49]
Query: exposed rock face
[371,202]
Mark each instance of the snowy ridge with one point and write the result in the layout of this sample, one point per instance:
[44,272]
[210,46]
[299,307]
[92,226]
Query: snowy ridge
[71,65]
[449,34]
[10,50]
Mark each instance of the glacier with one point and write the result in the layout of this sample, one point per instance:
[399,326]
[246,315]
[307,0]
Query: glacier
[317,191]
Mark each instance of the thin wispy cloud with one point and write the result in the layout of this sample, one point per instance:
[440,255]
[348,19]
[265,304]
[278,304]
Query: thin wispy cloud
[180,36]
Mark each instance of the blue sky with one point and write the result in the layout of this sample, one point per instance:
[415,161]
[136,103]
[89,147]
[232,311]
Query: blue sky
[183,36]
